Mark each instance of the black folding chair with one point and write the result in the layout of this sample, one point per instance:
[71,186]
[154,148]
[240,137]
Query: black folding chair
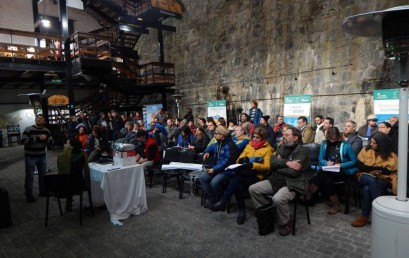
[67,186]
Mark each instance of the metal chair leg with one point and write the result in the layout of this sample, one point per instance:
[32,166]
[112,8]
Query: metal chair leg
[80,208]
[59,206]
[295,213]
[46,210]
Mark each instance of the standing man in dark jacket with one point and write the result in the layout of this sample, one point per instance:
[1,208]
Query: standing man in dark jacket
[225,153]
[289,165]
[35,139]
[117,125]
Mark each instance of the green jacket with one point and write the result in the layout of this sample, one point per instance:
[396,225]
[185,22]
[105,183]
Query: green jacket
[285,176]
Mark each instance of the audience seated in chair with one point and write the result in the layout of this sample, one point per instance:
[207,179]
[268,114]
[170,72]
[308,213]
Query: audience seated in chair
[333,152]
[147,150]
[224,153]
[71,160]
[96,143]
[256,164]
[377,164]
[200,140]
[241,139]
[289,165]
[351,136]
[73,178]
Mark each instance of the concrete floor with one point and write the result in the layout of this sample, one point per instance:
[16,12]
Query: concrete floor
[171,228]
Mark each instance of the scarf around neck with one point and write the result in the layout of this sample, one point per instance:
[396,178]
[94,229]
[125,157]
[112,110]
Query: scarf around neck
[257,145]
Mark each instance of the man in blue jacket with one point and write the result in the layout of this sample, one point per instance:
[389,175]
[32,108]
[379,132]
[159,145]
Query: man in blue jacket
[225,153]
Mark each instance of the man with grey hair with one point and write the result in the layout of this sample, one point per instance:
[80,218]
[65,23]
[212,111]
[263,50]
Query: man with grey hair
[289,165]
[351,136]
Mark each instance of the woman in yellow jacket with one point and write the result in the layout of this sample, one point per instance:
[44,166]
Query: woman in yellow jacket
[256,165]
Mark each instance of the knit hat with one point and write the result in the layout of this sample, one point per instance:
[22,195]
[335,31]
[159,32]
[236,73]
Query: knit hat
[222,130]
[266,117]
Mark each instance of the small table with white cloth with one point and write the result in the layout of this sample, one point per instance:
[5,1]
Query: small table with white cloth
[193,174]
[122,189]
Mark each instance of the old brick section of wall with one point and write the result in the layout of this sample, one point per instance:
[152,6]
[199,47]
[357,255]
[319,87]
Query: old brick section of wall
[263,50]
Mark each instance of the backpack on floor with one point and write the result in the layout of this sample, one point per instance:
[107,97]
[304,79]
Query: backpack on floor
[5,216]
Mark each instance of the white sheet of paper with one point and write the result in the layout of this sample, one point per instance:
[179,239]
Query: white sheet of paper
[233,166]
[331,168]
[180,165]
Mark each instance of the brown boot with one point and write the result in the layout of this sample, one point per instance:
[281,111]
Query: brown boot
[337,205]
[360,221]
[310,191]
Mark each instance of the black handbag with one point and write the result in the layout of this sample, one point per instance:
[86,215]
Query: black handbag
[265,218]
[5,214]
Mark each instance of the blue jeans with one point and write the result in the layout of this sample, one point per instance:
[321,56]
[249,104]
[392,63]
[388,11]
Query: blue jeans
[212,185]
[372,188]
[31,163]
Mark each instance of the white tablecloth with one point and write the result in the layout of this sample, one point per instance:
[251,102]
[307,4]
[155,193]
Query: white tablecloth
[121,188]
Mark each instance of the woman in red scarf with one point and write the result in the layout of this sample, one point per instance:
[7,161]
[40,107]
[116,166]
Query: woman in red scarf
[256,165]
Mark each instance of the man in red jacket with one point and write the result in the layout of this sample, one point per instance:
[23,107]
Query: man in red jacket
[147,149]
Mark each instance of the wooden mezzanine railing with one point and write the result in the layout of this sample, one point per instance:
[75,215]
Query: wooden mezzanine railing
[16,44]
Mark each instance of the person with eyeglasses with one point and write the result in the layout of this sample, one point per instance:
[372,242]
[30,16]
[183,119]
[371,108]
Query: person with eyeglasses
[333,152]
[389,130]
[288,167]
[370,128]
[256,159]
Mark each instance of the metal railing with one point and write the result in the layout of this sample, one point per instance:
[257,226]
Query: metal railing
[15,44]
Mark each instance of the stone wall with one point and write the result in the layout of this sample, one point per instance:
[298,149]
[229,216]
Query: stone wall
[264,50]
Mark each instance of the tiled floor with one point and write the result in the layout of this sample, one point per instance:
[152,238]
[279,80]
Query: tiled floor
[171,228]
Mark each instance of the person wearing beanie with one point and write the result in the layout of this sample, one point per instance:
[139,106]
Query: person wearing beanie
[222,130]
[224,152]
[271,137]
[255,113]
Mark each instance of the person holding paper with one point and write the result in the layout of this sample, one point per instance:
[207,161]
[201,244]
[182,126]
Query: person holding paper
[376,163]
[225,153]
[333,152]
[256,160]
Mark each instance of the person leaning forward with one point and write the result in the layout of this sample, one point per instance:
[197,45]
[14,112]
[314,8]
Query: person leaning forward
[289,166]
[225,153]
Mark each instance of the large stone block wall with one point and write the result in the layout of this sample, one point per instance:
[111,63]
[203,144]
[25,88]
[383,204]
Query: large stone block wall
[264,50]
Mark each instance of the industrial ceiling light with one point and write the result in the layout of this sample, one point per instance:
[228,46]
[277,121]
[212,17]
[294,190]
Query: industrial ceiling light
[45,22]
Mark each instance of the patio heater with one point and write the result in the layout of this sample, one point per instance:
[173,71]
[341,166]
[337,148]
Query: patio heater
[177,97]
[390,214]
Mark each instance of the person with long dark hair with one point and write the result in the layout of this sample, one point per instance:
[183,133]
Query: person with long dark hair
[376,163]
[185,138]
[333,152]
[389,130]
